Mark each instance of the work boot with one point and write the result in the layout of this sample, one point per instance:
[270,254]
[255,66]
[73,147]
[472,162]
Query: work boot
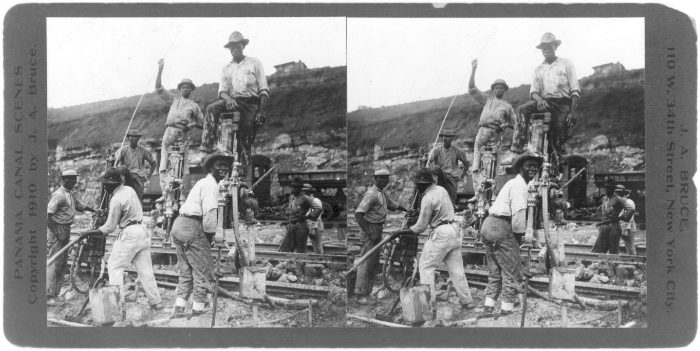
[198,312]
[487,312]
[179,311]
[504,313]
[468,306]
[157,306]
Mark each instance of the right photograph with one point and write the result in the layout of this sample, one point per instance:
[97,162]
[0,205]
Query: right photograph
[496,172]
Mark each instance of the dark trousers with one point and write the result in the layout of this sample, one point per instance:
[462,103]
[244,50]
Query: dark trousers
[367,270]
[246,127]
[608,240]
[295,238]
[135,182]
[502,259]
[57,237]
[194,259]
[449,182]
[558,131]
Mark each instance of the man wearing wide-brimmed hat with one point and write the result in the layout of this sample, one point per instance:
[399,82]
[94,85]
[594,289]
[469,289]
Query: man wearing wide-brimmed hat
[371,214]
[134,157]
[243,88]
[315,225]
[447,157]
[554,89]
[192,233]
[627,223]
[444,243]
[502,233]
[609,229]
[60,215]
[184,114]
[496,115]
[133,243]
[300,209]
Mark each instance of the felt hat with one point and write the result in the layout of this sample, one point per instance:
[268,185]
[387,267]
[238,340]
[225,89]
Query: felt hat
[518,163]
[499,82]
[185,81]
[236,37]
[422,176]
[619,188]
[448,132]
[111,176]
[297,182]
[307,186]
[209,161]
[134,133]
[549,38]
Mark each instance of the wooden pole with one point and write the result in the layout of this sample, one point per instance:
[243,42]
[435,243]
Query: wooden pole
[64,322]
[255,314]
[311,314]
[377,322]
[564,317]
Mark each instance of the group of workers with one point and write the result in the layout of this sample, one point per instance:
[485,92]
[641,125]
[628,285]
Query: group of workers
[243,88]
[555,90]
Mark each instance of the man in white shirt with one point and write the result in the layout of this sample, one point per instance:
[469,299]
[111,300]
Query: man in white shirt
[243,88]
[627,223]
[192,235]
[554,89]
[133,243]
[503,231]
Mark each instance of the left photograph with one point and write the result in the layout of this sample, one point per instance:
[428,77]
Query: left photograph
[197,172]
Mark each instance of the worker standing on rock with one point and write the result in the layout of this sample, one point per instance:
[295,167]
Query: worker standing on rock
[444,243]
[300,208]
[133,243]
[193,232]
[496,115]
[554,89]
[444,160]
[609,230]
[184,114]
[60,215]
[243,88]
[315,225]
[134,157]
[502,233]
[371,214]
[629,226]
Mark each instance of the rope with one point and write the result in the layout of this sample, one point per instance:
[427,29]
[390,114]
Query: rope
[437,137]
[128,127]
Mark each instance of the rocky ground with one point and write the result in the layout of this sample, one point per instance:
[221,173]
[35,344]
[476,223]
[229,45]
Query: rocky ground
[230,313]
[540,313]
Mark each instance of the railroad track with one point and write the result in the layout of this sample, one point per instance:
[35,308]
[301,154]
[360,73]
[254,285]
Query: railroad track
[271,287]
[573,251]
[480,277]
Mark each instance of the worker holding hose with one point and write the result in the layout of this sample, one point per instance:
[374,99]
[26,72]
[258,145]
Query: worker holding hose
[60,216]
[133,243]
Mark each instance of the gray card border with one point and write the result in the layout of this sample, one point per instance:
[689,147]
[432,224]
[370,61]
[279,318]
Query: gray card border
[672,299]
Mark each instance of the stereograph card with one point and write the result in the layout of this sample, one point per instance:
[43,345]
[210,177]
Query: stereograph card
[350,175]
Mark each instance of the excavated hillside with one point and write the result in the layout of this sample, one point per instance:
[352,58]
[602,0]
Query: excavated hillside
[612,105]
[301,102]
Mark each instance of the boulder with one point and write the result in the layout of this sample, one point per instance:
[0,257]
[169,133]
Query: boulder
[624,271]
[598,142]
[274,274]
[314,162]
[281,141]
[313,270]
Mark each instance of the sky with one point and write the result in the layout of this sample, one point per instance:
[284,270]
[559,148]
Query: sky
[398,60]
[107,58]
